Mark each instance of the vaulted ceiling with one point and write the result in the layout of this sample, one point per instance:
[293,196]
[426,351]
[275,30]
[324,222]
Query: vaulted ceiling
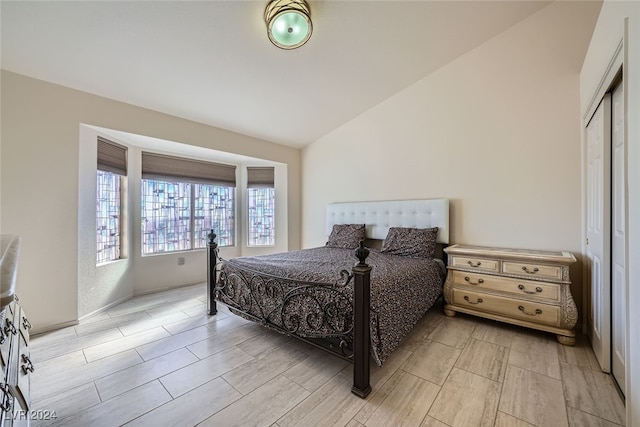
[211,61]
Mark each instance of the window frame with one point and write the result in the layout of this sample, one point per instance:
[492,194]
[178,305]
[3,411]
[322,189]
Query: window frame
[273,208]
[119,218]
[193,233]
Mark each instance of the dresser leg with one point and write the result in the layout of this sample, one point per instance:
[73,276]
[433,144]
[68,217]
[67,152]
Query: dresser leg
[565,340]
[449,313]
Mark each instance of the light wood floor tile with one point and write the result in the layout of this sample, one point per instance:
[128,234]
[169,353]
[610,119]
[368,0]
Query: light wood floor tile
[67,362]
[196,311]
[53,337]
[125,343]
[196,374]
[142,373]
[432,361]
[532,397]
[175,306]
[401,402]
[592,392]
[220,341]
[228,323]
[187,292]
[432,422]
[454,331]
[493,332]
[262,369]
[423,329]
[133,306]
[191,408]
[535,353]
[506,420]
[484,359]
[579,354]
[53,381]
[121,409]
[333,404]
[166,344]
[182,382]
[151,323]
[58,348]
[110,323]
[380,375]
[315,370]
[262,407]
[192,322]
[66,403]
[582,419]
[265,341]
[95,318]
[467,399]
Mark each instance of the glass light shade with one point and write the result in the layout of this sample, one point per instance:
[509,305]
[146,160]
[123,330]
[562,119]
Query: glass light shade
[288,23]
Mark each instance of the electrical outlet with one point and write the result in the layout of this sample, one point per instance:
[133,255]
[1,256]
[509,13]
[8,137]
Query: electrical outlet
[181,261]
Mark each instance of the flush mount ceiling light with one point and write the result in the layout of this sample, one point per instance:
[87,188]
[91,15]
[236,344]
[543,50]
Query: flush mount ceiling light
[288,23]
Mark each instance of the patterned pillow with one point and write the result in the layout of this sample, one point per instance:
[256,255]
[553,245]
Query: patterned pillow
[411,242]
[346,236]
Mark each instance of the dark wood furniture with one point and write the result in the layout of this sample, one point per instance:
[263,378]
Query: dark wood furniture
[352,343]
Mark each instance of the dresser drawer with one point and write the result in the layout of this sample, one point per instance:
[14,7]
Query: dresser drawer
[513,308]
[519,287]
[533,270]
[480,264]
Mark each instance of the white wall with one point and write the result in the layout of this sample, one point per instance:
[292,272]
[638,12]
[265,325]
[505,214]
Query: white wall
[40,181]
[609,31]
[496,131]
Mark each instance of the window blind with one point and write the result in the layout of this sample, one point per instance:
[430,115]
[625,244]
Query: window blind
[260,177]
[160,166]
[112,157]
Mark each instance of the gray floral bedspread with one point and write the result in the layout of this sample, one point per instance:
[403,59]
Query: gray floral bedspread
[402,290]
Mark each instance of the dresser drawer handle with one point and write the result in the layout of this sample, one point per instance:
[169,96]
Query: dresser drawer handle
[478,264]
[25,323]
[538,311]
[466,298]
[538,290]
[28,366]
[479,282]
[526,270]
[10,328]
[6,399]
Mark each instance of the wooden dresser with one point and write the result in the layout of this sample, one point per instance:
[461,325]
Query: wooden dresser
[523,287]
[16,366]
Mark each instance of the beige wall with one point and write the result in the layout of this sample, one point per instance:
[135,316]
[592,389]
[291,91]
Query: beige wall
[495,131]
[609,32]
[40,181]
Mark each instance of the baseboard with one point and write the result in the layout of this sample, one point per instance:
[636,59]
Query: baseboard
[105,308]
[50,328]
[166,288]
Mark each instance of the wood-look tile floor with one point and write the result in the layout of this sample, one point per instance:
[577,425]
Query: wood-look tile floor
[159,360]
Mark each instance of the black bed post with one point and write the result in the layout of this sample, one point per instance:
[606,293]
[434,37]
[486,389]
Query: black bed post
[212,261]
[361,339]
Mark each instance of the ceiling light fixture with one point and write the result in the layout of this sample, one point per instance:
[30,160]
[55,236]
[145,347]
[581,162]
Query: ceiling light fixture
[288,23]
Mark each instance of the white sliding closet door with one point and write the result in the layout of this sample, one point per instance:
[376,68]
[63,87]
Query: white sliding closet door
[598,230]
[618,237]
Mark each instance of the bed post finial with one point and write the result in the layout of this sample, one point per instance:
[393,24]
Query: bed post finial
[212,236]
[361,333]
[362,253]
[212,261]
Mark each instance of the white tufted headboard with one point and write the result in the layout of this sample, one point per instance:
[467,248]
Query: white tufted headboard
[379,216]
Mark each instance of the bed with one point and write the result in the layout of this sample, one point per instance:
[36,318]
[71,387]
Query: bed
[320,296]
